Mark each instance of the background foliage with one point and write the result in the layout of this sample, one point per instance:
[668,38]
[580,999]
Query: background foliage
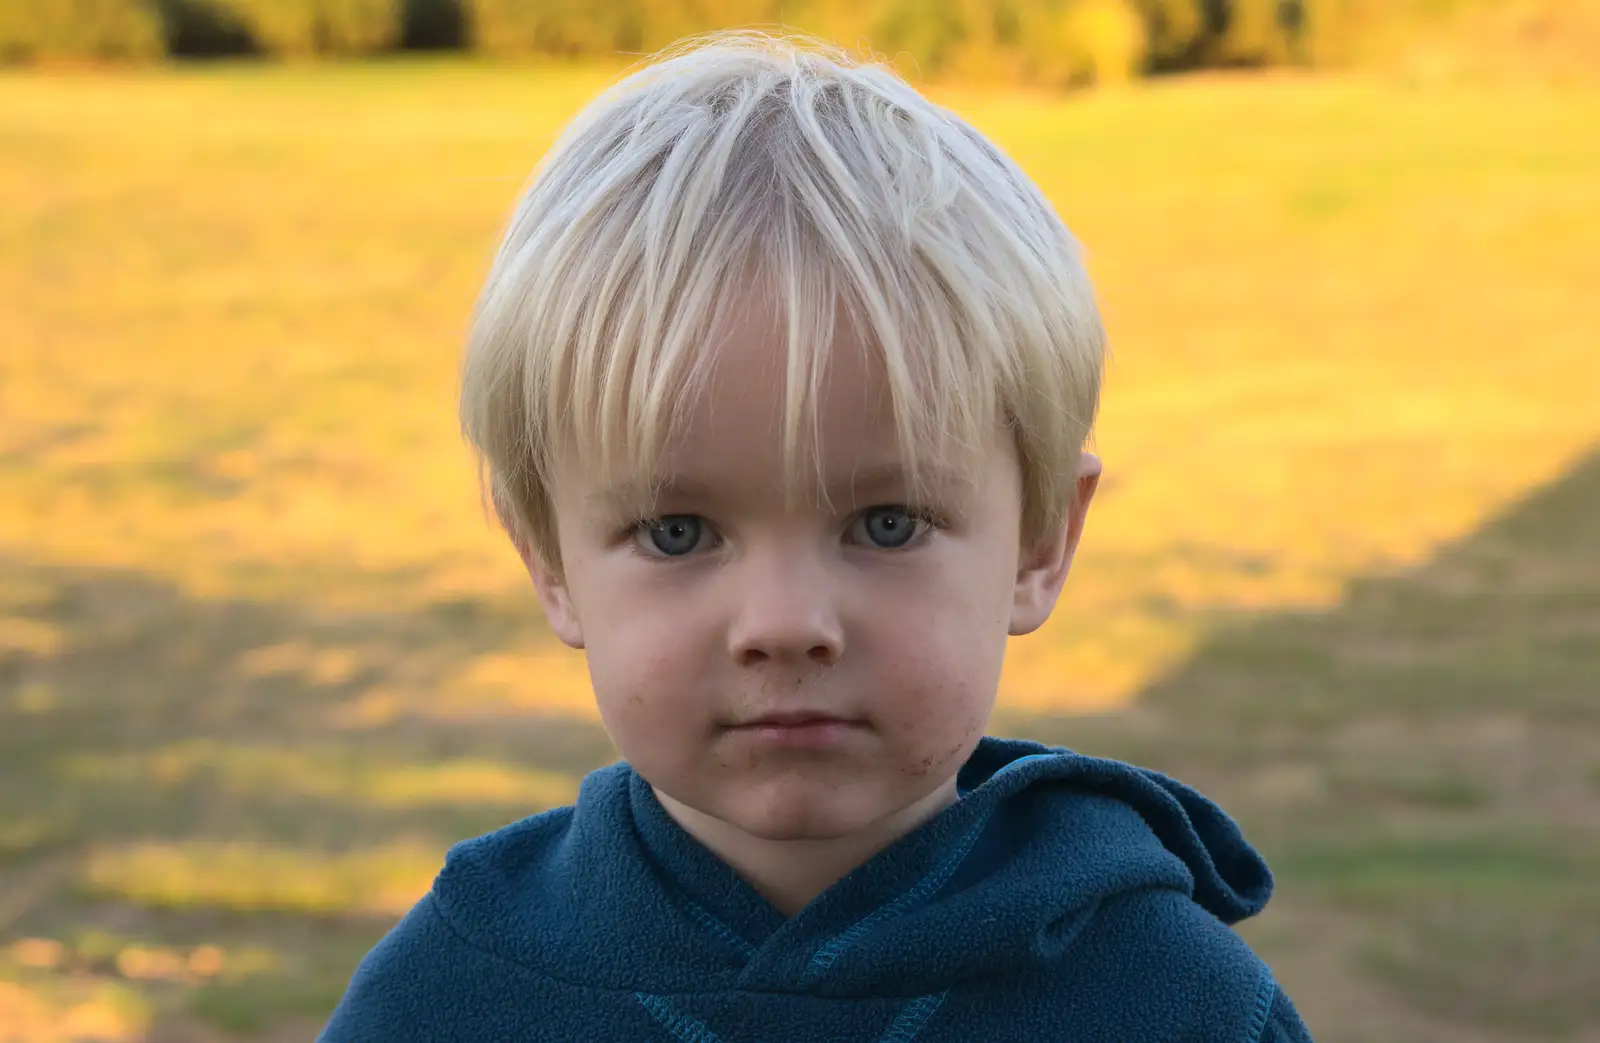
[1043,42]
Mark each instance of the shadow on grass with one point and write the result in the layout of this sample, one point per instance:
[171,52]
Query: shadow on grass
[1419,765]
[272,782]
[262,779]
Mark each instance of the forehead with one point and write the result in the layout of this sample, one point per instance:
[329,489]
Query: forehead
[751,386]
[728,437]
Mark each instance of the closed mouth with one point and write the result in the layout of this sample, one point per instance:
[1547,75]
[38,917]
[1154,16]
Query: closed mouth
[794,720]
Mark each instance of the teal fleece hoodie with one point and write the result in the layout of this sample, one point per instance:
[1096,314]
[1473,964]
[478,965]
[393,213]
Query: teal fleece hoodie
[1062,897]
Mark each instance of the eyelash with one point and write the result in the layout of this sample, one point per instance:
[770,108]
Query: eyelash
[933,521]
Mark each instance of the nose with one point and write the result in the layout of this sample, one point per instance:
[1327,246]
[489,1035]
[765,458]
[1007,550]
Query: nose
[786,612]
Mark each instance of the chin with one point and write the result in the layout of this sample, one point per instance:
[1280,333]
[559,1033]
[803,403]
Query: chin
[797,816]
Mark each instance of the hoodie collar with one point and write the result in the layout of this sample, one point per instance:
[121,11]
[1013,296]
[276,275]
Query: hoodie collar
[613,893]
[1038,838]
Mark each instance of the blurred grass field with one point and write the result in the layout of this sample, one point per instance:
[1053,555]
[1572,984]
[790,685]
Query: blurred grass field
[262,658]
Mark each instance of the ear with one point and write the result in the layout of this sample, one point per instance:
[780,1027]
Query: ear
[1043,569]
[554,596]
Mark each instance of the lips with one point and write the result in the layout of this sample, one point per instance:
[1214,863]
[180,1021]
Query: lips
[796,719]
[800,731]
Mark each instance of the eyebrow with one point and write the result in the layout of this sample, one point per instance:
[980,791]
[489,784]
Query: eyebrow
[889,474]
[872,477]
[624,494]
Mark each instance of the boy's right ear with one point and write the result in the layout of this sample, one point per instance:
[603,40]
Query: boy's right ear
[554,597]
[556,600]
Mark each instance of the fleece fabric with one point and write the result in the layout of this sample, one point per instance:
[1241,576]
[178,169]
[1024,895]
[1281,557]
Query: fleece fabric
[1062,897]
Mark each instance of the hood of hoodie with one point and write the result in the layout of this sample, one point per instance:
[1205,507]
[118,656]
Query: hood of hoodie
[611,893]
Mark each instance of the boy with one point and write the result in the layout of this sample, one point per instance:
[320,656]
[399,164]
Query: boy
[781,380]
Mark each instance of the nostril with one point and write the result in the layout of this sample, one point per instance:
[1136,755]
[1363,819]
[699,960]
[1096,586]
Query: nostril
[822,653]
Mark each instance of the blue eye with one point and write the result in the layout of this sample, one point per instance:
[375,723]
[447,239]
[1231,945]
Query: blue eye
[675,534]
[890,528]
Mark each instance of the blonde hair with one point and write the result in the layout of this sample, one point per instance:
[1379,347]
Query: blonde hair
[743,159]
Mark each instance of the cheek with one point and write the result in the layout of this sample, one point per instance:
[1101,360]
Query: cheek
[938,668]
[941,709]
[647,668]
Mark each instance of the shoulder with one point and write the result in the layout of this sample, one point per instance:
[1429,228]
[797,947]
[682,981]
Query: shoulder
[425,983]
[1282,1023]
[523,853]
[507,887]
[397,983]
[1166,960]
[1167,930]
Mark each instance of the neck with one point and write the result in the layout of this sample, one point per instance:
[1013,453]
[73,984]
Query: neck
[789,874]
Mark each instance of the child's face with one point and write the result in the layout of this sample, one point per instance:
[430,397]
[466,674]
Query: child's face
[733,607]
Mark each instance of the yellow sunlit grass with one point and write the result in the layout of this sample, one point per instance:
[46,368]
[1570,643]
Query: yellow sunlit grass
[259,878]
[1348,328]
[51,991]
[83,1012]
[552,679]
[29,635]
[297,658]
[1351,321]
[135,960]
[331,774]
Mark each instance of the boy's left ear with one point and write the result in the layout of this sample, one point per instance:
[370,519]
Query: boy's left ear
[1044,569]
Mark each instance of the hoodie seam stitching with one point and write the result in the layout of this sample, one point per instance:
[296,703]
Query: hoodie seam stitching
[1266,998]
[914,1017]
[717,929]
[681,1025]
[824,958]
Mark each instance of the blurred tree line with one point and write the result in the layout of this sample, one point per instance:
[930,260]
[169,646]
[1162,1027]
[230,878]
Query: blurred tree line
[1046,42]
